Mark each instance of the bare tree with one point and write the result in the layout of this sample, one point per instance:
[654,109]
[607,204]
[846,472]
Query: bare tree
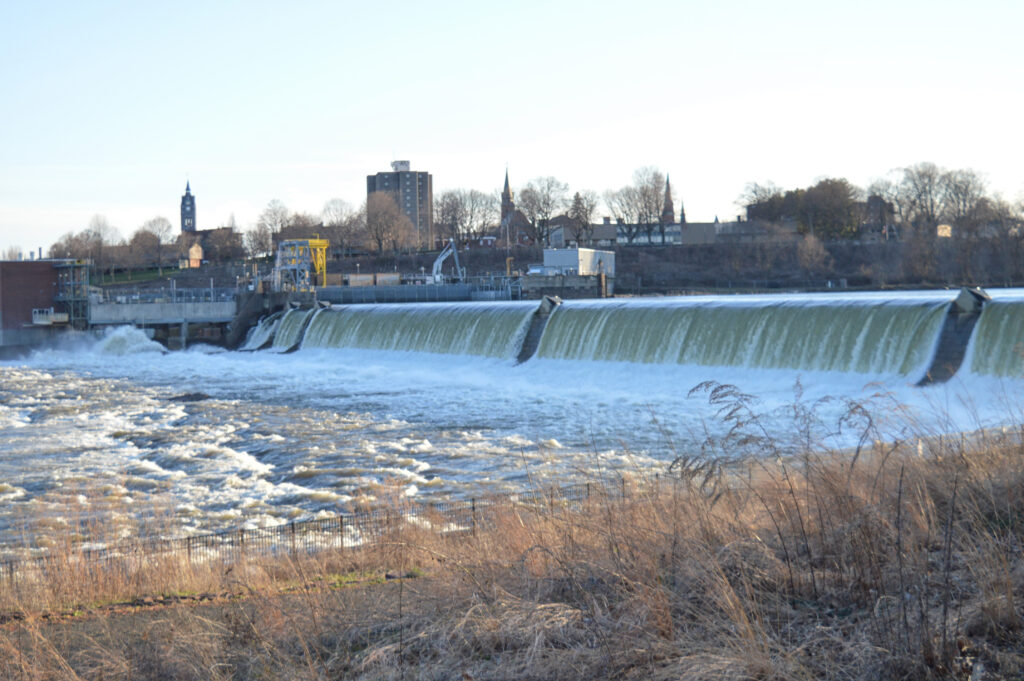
[963,192]
[449,215]
[920,193]
[13,252]
[539,201]
[142,251]
[888,192]
[581,214]
[304,221]
[160,227]
[223,244]
[300,226]
[386,225]
[258,241]
[811,255]
[1006,222]
[100,236]
[755,194]
[638,206]
[68,246]
[274,217]
[464,214]
[649,183]
[620,204]
[342,224]
[336,211]
[481,212]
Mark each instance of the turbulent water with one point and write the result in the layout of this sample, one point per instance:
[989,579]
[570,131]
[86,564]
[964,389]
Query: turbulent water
[263,333]
[426,400]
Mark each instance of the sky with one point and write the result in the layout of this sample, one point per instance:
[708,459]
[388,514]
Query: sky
[109,107]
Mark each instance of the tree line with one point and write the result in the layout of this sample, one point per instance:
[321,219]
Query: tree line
[377,225]
[909,204]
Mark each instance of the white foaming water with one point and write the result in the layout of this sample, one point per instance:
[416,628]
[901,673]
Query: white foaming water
[262,333]
[293,436]
[126,340]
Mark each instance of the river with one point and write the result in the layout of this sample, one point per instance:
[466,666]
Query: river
[427,401]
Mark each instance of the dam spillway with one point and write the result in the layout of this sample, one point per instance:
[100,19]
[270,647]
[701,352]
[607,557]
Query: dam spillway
[997,345]
[481,329]
[291,328]
[859,338]
[870,334]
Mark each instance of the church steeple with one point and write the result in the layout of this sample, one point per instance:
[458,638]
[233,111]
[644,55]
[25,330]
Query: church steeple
[668,212]
[508,206]
[188,210]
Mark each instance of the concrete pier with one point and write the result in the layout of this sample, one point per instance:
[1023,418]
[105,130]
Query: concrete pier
[955,336]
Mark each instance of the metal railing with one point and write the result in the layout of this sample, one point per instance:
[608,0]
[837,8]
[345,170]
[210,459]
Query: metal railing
[128,296]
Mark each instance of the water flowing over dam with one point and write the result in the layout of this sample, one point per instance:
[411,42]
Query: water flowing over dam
[861,334]
[262,335]
[291,327]
[485,329]
[448,400]
[861,338]
[997,346]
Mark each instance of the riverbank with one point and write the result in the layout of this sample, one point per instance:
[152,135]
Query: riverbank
[890,563]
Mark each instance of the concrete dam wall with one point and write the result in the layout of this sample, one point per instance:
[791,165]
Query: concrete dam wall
[924,338]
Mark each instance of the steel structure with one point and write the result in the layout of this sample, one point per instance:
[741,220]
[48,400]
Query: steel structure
[301,265]
[73,290]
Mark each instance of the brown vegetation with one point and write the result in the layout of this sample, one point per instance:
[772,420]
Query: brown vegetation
[898,562]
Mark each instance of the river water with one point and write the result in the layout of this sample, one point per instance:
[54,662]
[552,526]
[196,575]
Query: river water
[427,401]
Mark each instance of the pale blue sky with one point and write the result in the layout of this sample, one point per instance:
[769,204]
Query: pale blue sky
[108,107]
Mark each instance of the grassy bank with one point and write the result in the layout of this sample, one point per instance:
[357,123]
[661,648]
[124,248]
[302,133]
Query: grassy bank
[888,564]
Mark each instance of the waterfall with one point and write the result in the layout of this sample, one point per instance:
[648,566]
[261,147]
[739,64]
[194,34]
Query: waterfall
[871,337]
[289,329]
[261,334]
[872,334]
[997,348]
[485,329]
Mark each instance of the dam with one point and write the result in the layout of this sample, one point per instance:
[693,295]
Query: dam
[922,337]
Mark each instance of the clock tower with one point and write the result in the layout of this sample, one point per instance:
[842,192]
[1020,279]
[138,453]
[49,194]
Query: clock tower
[188,210]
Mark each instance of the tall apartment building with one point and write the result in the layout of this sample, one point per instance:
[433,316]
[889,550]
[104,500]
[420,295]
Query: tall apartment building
[413,192]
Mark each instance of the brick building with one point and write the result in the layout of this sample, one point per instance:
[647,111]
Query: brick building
[25,285]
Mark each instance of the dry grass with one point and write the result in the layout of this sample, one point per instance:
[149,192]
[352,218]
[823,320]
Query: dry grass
[888,564]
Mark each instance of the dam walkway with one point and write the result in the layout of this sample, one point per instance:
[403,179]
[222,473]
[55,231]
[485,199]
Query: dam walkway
[175,315]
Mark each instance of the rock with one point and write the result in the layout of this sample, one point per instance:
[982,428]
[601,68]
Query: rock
[189,397]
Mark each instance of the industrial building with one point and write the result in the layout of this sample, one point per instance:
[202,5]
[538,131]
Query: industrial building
[572,273]
[38,298]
